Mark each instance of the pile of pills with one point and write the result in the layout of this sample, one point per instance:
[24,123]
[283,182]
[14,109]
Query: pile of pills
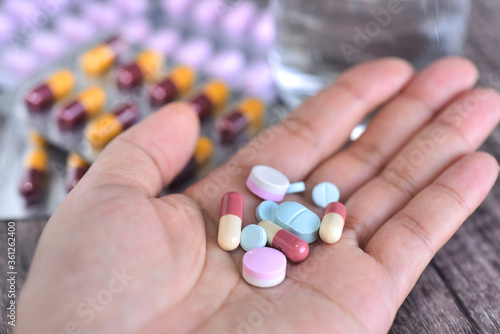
[287,228]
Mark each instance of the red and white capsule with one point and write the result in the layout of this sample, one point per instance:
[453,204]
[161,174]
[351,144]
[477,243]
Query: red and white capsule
[294,248]
[333,222]
[231,217]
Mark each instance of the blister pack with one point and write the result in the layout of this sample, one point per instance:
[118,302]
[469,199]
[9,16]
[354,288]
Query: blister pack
[209,53]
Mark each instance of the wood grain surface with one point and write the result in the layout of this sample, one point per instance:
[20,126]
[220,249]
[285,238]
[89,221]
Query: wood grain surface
[459,292]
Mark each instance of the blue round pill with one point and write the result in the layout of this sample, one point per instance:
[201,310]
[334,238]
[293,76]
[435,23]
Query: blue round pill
[325,193]
[253,236]
[266,211]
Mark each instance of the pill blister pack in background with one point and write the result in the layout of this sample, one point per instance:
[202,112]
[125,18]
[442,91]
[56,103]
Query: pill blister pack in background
[210,53]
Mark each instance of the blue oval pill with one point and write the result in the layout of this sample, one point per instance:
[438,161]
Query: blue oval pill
[299,220]
[253,236]
[325,193]
[266,211]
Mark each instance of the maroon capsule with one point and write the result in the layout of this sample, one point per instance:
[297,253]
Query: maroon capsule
[185,174]
[73,176]
[87,105]
[163,93]
[54,89]
[129,76]
[32,186]
[128,114]
[230,126]
[71,115]
[202,106]
[39,98]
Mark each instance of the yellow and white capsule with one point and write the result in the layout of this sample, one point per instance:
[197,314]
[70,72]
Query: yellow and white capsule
[231,218]
[333,222]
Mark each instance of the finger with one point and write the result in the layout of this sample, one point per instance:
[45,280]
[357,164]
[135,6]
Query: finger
[149,155]
[429,92]
[456,131]
[408,241]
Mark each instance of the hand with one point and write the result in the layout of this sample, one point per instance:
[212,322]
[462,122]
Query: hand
[114,258]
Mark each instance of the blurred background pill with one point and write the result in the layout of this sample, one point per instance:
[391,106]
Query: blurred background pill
[48,47]
[163,41]
[227,65]
[136,30]
[75,30]
[102,15]
[195,53]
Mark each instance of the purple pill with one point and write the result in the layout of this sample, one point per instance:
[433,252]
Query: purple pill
[132,7]
[6,28]
[194,53]
[19,63]
[176,8]
[48,47]
[103,16]
[74,30]
[227,65]
[238,19]
[258,81]
[264,31]
[23,10]
[164,41]
[206,13]
[136,30]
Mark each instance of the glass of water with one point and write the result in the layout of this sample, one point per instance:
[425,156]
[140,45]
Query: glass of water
[319,39]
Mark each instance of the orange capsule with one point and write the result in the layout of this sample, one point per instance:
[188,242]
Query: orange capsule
[212,98]
[87,105]
[248,115]
[76,167]
[54,89]
[146,67]
[178,83]
[99,60]
[33,181]
[101,131]
[202,153]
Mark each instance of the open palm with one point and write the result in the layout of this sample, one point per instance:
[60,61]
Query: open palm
[114,258]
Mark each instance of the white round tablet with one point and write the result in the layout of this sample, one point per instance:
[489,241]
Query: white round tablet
[268,183]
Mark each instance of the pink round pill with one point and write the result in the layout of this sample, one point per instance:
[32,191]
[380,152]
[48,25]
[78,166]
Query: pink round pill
[264,267]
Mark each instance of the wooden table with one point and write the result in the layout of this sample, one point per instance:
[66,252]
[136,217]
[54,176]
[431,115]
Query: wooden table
[459,292]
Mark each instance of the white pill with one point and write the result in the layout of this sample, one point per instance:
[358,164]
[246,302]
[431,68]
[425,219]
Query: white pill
[268,183]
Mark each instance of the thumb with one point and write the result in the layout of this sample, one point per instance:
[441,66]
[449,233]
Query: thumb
[149,155]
